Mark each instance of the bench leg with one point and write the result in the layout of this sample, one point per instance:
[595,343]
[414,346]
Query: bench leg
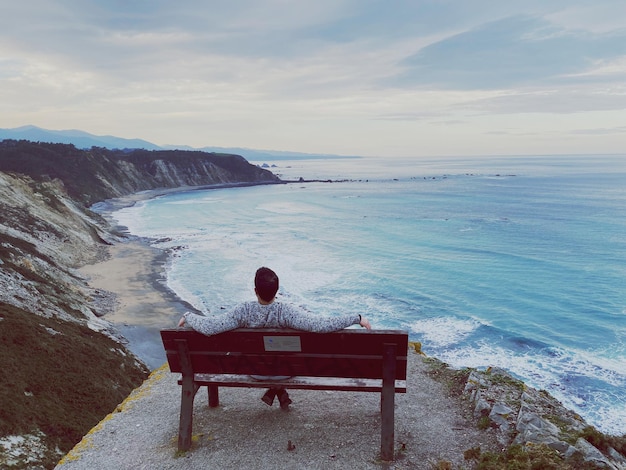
[189,389]
[214,396]
[387,403]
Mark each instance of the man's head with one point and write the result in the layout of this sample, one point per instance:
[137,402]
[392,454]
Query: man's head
[266,284]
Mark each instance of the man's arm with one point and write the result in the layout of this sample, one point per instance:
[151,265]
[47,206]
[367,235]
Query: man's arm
[297,319]
[210,325]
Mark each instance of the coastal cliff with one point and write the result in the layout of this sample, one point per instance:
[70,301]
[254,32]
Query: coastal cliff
[93,175]
[63,366]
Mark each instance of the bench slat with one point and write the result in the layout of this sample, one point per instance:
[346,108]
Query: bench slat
[299,383]
[349,341]
[295,364]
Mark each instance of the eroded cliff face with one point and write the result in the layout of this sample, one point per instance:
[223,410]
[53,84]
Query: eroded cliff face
[43,235]
[97,174]
[46,228]
[61,368]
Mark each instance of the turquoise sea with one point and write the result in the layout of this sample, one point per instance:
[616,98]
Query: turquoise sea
[515,262]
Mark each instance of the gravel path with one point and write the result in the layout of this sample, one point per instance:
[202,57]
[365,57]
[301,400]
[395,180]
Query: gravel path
[323,430]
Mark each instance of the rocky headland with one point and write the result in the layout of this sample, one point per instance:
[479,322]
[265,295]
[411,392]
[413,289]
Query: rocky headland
[64,365]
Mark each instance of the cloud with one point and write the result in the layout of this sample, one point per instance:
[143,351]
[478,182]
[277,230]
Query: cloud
[621,130]
[564,100]
[350,75]
[514,51]
[602,17]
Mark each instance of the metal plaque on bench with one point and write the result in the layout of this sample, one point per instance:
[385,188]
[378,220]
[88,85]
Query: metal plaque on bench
[282,343]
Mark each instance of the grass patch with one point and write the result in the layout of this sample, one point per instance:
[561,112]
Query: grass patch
[59,378]
[507,381]
[538,457]
[484,423]
[532,457]
[455,379]
[603,442]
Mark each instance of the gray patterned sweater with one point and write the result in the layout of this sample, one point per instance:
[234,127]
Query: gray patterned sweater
[274,315]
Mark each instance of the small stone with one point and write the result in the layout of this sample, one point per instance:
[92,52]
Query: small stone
[482,407]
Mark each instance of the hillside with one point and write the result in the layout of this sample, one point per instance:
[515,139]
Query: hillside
[96,174]
[62,366]
[76,137]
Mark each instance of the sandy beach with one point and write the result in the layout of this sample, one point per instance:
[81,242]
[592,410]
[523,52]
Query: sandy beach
[135,273]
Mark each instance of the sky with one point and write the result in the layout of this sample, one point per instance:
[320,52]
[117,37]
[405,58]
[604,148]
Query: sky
[409,78]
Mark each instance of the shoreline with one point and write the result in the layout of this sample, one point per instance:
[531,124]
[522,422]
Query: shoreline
[111,205]
[132,278]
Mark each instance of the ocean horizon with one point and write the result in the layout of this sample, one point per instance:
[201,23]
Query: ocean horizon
[512,262]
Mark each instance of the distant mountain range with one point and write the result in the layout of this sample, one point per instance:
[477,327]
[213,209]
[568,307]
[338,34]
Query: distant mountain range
[84,140]
[80,139]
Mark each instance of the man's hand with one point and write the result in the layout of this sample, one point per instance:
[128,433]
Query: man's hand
[365,323]
[181,322]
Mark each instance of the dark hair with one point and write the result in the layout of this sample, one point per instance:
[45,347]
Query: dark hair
[266,283]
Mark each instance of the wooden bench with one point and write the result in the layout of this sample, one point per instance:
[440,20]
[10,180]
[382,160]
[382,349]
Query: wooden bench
[347,360]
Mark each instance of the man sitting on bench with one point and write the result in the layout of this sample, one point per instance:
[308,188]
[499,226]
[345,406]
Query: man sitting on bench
[266,312]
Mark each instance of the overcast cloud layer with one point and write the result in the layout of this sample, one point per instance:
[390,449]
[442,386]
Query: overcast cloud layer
[354,77]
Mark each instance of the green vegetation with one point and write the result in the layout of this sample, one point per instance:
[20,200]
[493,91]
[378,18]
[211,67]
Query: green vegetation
[442,465]
[472,454]
[602,442]
[516,457]
[506,380]
[59,378]
[532,457]
[455,379]
[484,423]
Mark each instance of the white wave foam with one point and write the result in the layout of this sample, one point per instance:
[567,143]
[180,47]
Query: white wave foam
[554,373]
[131,218]
[612,418]
[444,331]
[193,202]
[593,365]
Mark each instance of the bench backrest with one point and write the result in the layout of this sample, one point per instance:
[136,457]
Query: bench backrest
[346,353]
